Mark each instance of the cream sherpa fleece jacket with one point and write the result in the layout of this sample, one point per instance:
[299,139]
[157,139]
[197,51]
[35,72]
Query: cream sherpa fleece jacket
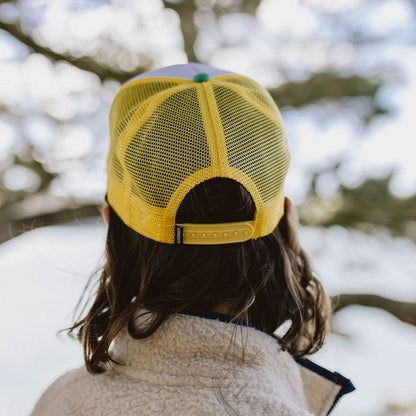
[192,365]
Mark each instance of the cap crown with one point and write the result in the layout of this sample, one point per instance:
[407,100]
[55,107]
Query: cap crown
[168,134]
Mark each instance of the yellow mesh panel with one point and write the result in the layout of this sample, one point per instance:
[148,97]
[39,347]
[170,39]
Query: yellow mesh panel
[128,102]
[254,88]
[255,144]
[170,146]
[130,99]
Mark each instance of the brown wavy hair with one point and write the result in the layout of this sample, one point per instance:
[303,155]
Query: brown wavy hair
[267,281]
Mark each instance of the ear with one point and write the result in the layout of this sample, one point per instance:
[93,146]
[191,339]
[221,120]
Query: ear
[105,212]
[291,212]
[288,205]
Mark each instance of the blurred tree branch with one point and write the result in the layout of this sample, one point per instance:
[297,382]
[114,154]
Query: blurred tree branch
[9,198]
[405,311]
[12,228]
[85,63]
[413,5]
[367,205]
[324,86]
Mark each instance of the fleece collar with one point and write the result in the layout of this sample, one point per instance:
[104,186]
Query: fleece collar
[207,348]
[325,382]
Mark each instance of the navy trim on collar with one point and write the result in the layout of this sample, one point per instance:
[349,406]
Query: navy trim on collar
[337,378]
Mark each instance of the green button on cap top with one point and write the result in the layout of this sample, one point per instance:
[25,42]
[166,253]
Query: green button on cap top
[201,77]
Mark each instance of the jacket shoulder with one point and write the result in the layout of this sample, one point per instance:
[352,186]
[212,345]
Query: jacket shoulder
[56,398]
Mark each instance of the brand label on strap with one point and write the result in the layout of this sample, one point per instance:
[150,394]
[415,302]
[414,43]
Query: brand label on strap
[178,234]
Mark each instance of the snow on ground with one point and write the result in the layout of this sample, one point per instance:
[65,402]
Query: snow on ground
[45,270]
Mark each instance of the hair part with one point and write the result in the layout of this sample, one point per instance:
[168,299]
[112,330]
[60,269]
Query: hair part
[267,281]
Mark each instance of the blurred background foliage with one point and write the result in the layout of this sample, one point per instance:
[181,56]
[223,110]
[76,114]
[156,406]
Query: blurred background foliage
[340,72]
[34,166]
[54,131]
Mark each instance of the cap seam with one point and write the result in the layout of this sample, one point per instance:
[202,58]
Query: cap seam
[207,88]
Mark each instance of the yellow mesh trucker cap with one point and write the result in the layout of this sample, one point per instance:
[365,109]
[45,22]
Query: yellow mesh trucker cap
[177,126]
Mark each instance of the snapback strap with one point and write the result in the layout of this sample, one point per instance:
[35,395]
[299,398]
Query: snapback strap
[204,234]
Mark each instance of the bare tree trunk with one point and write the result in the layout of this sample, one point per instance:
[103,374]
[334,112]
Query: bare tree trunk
[186,10]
